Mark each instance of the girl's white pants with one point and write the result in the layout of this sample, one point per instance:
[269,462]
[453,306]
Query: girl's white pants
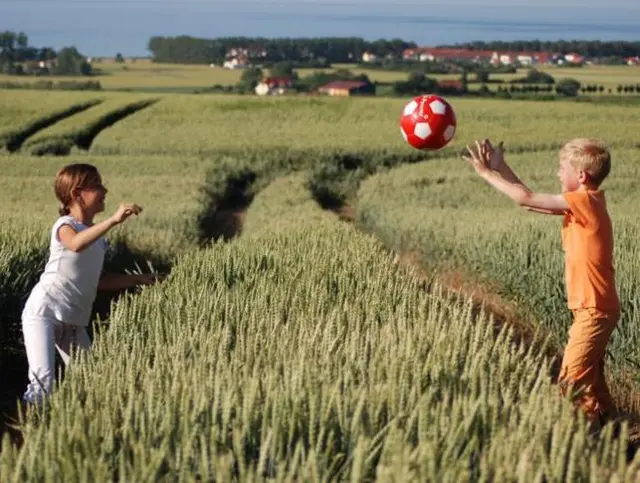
[42,336]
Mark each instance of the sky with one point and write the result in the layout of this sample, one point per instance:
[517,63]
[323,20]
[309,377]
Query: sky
[104,27]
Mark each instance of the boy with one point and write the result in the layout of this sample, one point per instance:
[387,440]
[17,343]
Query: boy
[587,239]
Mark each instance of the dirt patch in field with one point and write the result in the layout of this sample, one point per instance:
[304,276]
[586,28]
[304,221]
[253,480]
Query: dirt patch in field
[346,213]
[226,224]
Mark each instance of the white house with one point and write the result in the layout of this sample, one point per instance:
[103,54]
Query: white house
[369,57]
[236,63]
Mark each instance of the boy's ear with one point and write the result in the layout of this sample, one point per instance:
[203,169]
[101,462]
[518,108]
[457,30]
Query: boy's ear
[583,177]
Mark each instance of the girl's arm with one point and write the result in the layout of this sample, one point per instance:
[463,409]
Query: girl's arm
[116,281]
[78,241]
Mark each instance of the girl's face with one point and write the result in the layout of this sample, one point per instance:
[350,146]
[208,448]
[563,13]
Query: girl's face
[92,197]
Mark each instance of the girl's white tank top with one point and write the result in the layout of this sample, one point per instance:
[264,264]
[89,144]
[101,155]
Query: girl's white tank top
[67,288]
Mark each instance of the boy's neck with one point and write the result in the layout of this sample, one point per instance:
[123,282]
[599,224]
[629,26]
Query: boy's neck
[588,187]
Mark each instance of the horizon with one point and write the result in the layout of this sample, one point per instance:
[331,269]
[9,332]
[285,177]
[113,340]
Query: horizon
[103,27]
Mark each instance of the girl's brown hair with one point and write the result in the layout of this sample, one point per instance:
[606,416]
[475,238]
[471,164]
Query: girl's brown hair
[72,178]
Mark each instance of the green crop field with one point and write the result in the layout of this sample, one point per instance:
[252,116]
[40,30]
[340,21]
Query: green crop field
[288,345]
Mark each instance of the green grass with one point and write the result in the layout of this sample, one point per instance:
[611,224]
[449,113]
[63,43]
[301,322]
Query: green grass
[206,124]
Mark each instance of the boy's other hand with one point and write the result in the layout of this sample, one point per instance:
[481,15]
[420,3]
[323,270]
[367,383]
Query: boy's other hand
[495,154]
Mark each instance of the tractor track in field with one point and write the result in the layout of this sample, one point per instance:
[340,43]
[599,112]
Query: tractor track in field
[15,140]
[62,143]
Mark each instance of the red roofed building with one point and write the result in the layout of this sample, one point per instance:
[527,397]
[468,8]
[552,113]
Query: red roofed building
[497,58]
[347,88]
[274,85]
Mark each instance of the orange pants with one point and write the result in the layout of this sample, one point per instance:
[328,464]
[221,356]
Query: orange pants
[583,361]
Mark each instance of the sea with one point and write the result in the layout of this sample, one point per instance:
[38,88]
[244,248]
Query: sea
[104,27]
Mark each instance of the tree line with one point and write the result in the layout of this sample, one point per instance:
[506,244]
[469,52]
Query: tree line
[319,52]
[16,57]
[315,52]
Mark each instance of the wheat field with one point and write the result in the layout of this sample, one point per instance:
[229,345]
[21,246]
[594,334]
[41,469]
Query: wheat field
[300,347]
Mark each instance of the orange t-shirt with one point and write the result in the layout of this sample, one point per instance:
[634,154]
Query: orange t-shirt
[587,239]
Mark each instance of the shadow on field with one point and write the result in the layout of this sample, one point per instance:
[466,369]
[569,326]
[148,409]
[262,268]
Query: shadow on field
[13,359]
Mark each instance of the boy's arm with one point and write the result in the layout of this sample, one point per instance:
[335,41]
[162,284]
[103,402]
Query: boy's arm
[540,202]
[507,173]
[510,185]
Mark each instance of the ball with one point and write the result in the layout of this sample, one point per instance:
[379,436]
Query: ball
[428,122]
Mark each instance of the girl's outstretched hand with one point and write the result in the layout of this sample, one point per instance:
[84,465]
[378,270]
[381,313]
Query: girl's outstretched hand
[149,278]
[124,211]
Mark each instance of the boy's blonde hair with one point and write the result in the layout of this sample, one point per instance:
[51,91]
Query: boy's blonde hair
[589,155]
[72,178]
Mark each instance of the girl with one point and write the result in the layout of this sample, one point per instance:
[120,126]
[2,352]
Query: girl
[59,306]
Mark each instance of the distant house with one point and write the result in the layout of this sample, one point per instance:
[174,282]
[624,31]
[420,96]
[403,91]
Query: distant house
[240,62]
[347,88]
[574,58]
[274,86]
[249,52]
[430,54]
[369,57]
[39,66]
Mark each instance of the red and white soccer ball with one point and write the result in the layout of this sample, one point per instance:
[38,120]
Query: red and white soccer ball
[428,122]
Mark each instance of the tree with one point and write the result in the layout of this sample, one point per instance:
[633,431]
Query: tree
[119,58]
[464,80]
[283,69]
[535,76]
[250,78]
[482,76]
[22,40]
[568,87]
[71,62]
[417,83]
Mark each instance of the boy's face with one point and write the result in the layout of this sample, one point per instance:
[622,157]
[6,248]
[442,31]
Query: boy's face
[568,176]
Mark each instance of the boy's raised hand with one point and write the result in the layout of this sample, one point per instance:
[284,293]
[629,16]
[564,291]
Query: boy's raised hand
[480,158]
[496,155]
